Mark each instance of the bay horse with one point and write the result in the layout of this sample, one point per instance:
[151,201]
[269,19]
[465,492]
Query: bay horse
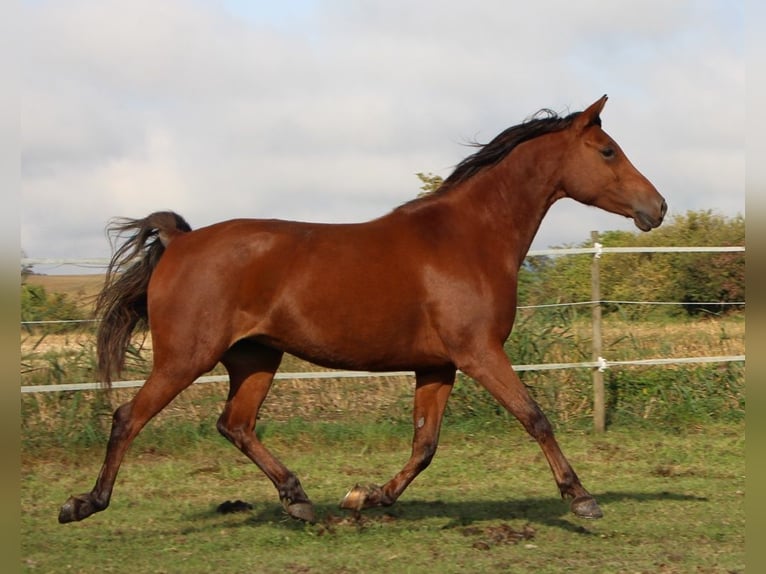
[430,287]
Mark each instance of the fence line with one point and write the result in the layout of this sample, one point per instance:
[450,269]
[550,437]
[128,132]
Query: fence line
[601,364]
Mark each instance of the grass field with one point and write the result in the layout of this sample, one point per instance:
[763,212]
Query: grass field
[673,502]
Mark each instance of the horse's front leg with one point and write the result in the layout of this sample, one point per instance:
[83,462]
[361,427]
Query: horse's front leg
[432,390]
[492,370]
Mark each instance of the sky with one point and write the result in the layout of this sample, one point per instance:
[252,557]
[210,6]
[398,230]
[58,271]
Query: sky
[324,110]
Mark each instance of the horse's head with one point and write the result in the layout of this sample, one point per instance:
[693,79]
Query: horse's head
[597,172]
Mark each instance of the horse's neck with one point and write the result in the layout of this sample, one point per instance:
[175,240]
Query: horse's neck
[507,205]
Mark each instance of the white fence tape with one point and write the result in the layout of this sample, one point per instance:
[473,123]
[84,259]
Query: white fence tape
[601,364]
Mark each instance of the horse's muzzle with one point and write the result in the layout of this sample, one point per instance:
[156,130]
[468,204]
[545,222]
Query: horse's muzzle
[646,222]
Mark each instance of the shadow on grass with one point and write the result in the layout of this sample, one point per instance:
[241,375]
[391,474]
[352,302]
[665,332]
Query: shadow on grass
[551,512]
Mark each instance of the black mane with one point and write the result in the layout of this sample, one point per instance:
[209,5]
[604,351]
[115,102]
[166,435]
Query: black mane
[543,122]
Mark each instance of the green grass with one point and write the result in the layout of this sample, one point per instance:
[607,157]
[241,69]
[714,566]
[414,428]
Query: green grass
[673,502]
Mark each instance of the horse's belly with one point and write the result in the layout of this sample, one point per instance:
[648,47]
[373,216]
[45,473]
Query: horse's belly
[370,341]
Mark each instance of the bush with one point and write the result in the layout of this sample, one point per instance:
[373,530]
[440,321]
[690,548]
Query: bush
[699,282]
[38,305]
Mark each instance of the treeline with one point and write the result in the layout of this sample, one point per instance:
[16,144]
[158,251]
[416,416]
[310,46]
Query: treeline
[702,282]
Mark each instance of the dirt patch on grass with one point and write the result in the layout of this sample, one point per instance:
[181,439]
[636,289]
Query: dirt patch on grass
[495,535]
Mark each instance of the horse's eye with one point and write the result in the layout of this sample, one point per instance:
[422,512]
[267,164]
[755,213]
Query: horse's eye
[608,153]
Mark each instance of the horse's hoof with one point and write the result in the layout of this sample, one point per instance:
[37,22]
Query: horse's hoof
[355,499]
[586,507]
[67,512]
[76,508]
[370,496]
[302,511]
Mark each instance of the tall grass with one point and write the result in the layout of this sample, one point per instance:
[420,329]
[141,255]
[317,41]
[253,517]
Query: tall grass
[69,418]
[672,395]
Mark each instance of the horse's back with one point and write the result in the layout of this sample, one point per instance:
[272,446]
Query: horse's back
[314,290]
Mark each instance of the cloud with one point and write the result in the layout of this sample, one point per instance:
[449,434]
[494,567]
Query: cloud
[325,110]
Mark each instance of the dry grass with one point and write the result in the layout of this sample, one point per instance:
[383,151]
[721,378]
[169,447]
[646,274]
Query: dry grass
[82,289]
[710,336]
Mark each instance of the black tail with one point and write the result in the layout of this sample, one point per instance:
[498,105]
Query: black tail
[121,305]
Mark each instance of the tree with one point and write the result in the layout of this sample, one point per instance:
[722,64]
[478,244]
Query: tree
[430,182]
[705,281]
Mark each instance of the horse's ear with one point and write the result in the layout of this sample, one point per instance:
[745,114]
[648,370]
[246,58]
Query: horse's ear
[592,115]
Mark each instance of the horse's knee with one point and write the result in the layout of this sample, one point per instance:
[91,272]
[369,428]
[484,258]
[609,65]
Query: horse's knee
[121,415]
[541,426]
[535,422]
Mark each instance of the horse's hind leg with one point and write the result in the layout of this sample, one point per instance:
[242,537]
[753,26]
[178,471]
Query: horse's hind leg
[251,368]
[127,422]
[432,390]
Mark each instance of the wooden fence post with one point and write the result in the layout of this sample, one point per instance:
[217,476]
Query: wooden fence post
[599,410]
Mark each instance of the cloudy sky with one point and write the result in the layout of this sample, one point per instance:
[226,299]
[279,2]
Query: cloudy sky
[324,110]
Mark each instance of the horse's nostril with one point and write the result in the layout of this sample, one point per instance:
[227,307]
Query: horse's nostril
[663,208]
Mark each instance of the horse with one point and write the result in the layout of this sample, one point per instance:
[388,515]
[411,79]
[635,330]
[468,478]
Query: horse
[429,288]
